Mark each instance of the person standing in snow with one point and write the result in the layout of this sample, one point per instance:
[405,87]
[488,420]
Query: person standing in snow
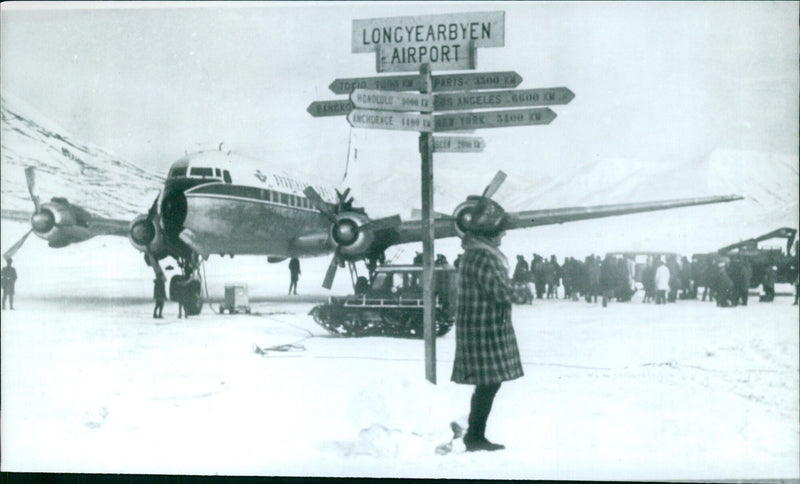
[486,346]
[294,270]
[8,278]
[768,283]
[662,282]
[159,295]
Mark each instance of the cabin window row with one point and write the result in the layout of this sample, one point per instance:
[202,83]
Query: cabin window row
[285,199]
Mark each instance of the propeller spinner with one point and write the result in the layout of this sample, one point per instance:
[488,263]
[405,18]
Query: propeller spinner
[347,228]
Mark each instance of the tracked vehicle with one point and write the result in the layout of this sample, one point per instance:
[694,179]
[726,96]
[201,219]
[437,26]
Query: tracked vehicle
[391,305]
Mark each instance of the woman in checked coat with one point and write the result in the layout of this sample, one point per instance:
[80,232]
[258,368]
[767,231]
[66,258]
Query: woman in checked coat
[486,346]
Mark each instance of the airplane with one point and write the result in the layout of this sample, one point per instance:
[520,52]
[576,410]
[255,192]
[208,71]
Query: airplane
[219,202]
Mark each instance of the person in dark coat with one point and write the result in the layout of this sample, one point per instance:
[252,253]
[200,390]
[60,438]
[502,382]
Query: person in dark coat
[486,346]
[608,278]
[159,295]
[592,279]
[723,286]
[768,283]
[740,273]
[294,270]
[539,275]
[649,281]
[522,293]
[8,278]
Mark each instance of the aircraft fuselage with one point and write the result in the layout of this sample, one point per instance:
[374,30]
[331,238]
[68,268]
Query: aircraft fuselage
[219,203]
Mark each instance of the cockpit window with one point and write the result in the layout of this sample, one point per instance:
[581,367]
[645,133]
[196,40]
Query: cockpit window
[226,175]
[204,172]
[178,172]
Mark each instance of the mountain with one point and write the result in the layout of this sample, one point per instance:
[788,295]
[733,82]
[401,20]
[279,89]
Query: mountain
[66,166]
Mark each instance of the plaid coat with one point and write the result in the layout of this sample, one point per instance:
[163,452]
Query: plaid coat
[486,346]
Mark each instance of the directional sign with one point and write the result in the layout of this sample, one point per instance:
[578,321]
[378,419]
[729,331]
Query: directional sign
[485,29]
[330,108]
[493,119]
[365,118]
[478,80]
[502,99]
[442,83]
[460,144]
[391,101]
[449,57]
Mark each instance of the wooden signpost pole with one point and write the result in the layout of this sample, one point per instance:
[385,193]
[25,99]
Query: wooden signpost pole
[428,292]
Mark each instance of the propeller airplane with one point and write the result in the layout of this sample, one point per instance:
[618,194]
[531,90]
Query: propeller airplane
[216,202]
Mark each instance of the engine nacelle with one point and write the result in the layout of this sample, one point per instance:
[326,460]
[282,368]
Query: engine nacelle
[60,223]
[462,215]
[348,236]
[146,235]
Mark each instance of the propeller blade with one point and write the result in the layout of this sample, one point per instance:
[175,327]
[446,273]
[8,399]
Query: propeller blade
[331,272]
[383,223]
[30,178]
[319,203]
[14,248]
[494,185]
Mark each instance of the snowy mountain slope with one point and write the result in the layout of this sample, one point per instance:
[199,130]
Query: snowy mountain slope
[67,167]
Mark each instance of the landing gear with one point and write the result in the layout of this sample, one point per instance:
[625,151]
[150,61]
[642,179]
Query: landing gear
[187,288]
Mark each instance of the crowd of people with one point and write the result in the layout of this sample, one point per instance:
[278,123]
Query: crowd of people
[662,279]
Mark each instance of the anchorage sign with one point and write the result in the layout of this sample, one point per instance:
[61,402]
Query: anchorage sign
[445,41]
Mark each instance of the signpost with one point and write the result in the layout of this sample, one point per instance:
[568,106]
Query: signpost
[391,101]
[330,108]
[502,99]
[457,144]
[367,118]
[484,29]
[443,57]
[425,43]
[444,83]
[493,119]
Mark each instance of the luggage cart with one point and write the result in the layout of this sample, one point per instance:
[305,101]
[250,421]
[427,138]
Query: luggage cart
[236,299]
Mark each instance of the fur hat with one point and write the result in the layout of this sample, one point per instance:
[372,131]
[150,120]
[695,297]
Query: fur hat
[486,218]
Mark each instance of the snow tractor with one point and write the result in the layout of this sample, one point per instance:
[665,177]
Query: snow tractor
[391,305]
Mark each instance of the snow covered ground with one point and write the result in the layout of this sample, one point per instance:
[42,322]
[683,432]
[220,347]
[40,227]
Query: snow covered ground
[90,383]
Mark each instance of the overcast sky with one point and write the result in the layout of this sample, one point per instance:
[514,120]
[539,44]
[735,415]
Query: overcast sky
[664,82]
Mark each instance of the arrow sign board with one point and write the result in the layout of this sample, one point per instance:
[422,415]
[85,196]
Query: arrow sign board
[391,101]
[502,99]
[479,80]
[330,108]
[460,144]
[365,118]
[442,83]
[493,119]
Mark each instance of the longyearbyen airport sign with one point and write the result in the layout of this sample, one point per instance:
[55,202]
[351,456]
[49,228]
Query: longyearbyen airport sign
[445,42]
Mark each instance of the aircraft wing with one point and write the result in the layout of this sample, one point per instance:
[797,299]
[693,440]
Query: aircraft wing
[444,226]
[94,224]
[532,218]
[16,215]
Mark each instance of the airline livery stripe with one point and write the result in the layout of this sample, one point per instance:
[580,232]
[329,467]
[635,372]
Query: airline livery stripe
[251,194]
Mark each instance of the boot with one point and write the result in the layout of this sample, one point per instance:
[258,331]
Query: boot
[475,443]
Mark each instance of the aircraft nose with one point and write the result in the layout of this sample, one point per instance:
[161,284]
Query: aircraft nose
[43,221]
